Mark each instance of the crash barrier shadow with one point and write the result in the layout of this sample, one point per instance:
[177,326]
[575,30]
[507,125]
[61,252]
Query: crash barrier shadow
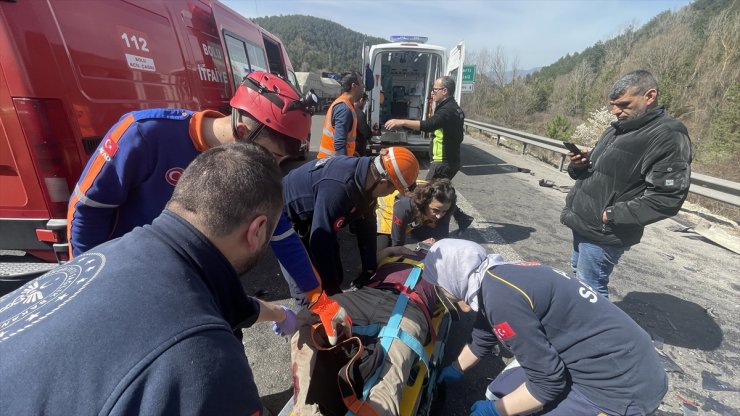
[672,320]
[715,188]
[490,169]
[511,233]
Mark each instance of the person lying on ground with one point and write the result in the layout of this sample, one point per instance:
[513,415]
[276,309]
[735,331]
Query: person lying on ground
[371,305]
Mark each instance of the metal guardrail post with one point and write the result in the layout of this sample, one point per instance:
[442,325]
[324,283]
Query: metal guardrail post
[715,188]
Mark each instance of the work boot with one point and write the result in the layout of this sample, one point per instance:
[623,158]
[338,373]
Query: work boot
[463,220]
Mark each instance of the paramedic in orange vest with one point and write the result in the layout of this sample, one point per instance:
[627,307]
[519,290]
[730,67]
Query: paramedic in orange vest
[340,123]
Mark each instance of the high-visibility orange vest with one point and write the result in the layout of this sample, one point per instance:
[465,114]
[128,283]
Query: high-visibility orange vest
[326,148]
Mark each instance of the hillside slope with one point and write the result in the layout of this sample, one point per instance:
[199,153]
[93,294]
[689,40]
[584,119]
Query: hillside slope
[316,45]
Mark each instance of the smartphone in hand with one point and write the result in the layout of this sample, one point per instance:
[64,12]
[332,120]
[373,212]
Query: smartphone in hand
[423,247]
[572,147]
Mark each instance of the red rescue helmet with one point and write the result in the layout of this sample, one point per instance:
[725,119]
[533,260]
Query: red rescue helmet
[398,165]
[275,103]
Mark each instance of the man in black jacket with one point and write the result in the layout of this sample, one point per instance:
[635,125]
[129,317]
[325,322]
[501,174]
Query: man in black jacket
[638,173]
[447,125]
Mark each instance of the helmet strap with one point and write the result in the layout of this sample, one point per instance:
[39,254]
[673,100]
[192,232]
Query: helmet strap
[254,133]
[378,173]
[235,119]
[234,123]
[380,168]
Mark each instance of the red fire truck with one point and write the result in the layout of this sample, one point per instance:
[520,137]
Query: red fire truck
[70,68]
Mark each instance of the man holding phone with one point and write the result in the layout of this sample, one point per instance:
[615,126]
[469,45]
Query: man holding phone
[637,174]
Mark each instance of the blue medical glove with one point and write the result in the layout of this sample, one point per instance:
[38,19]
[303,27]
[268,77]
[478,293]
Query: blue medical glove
[289,325]
[484,408]
[449,375]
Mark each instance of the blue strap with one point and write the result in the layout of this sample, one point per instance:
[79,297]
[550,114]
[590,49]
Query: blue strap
[407,339]
[371,330]
[393,327]
[413,278]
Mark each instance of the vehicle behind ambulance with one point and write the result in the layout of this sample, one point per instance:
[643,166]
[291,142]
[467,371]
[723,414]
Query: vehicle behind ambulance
[403,73]
[69,69]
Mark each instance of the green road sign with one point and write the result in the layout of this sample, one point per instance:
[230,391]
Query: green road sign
[468,74]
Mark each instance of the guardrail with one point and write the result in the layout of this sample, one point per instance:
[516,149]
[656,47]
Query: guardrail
[715,188]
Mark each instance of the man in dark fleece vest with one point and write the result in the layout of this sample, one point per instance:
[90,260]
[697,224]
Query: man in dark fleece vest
[143,324]
[638,173]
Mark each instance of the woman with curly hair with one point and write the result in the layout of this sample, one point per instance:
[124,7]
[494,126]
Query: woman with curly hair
[425,214]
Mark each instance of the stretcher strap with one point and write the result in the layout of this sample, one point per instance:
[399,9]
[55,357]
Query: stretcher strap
[409,340]
[398,287]
[375,330]
[393,324]
[371,330]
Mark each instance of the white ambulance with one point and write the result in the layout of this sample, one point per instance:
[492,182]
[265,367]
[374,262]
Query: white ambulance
[402,74]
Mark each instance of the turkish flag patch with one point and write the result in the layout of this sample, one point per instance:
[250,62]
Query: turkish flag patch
[110,147]
[503,331]
[397,221]
[173,175]
[339,223]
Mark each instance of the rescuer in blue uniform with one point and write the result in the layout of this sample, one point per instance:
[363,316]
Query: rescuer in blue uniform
[143,324]
[576,352]
[324,195]
[132,174]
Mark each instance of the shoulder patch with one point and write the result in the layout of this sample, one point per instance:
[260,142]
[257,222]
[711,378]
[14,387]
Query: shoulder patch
[504,331]
[397,221]
[173,175]
[339,223]
[109,149]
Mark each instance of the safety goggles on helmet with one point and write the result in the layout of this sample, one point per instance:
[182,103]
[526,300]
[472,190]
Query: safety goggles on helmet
[273,103]
[399,166]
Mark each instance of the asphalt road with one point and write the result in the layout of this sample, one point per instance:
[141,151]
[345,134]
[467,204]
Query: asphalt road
[680,287]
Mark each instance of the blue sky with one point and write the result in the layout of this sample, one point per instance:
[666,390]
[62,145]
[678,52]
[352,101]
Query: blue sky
[536,32]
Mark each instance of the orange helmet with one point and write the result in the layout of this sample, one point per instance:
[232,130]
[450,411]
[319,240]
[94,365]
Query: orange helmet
[398,165]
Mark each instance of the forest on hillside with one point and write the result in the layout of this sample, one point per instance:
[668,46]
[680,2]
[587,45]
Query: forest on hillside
[318,45]
[693,52]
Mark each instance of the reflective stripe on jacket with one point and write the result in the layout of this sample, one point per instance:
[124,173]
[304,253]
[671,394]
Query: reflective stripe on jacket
[326,148]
